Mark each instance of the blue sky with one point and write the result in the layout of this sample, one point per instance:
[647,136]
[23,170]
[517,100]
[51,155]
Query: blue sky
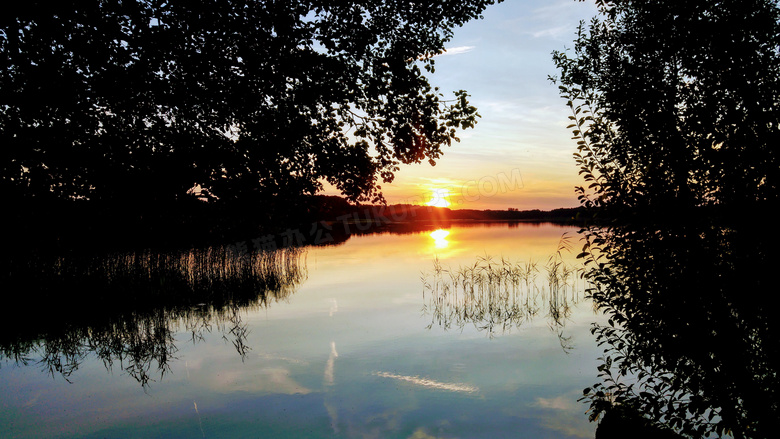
[503,61]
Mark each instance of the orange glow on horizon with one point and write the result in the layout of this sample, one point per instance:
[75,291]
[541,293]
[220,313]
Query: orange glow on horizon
[479,194]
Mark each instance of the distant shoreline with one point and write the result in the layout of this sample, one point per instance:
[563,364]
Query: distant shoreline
[84,226]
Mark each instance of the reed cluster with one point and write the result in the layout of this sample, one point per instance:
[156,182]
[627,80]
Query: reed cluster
[499,295]
[126,308]
[207,273]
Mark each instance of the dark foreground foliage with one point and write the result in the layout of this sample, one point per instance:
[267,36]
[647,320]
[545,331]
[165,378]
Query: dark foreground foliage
[242,100]
[675,112]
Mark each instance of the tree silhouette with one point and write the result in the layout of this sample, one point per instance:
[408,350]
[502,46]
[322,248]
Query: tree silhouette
[676,104]
[136,101]
[674,109]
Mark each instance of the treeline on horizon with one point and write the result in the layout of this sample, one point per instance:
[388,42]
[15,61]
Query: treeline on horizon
[73,225]
[334,208]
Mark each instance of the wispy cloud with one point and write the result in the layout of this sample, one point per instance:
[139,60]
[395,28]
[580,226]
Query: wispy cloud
[456,50]
[451,51]
[557,33]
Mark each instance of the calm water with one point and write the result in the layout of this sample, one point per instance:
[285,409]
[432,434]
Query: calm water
[366,340]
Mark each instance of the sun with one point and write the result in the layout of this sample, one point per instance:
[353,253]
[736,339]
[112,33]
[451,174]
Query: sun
[439,198]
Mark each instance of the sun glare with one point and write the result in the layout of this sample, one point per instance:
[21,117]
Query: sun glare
[440,238]
[439,198]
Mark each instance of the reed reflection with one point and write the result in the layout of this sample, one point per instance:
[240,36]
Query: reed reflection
[127,307]
[497,296]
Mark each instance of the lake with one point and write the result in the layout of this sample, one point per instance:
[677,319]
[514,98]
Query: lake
[465,330]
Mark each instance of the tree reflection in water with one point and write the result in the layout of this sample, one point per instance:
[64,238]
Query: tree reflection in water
[499,295]
[125,308]
[692,339]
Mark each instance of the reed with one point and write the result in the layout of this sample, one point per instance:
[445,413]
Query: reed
[143,300]
[499,295]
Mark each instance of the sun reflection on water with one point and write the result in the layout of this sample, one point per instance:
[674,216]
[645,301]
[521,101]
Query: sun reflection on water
[440,238]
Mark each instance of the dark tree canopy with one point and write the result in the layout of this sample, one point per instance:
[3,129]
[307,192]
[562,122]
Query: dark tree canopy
[676,113]
[141,100]
[677,102]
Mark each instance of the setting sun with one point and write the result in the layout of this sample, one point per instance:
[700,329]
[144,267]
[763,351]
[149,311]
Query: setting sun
[439,198]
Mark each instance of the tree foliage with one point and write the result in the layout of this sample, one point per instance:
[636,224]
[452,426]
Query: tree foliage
[676,103]
[676,117]
[143,99]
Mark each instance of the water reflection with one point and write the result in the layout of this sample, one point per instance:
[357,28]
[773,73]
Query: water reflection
[692,338]
[440,238]
[127,307]
[330,364]
[347,354]
[429,383]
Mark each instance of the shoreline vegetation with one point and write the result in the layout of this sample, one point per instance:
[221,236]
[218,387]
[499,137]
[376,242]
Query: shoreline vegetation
[84,226]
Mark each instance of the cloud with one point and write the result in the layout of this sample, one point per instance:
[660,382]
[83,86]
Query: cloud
[456,50]
[556,33]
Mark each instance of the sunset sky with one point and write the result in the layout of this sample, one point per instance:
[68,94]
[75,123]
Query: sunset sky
[521,143]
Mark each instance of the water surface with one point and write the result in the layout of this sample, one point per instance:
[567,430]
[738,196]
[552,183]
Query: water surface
[348,341]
